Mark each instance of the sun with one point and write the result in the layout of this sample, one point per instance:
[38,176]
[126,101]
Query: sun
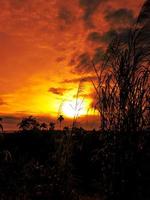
[74,108]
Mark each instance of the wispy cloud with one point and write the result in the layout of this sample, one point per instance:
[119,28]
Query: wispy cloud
[89,7]
[120,16]
[2,102]
[57,91]
[77,80]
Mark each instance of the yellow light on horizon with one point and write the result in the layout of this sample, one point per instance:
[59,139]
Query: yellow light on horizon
[74,108]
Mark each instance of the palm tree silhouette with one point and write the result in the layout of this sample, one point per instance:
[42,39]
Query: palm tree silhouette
[43,126]
[28,123]
[60,119]
[23,124]
[52,125]
[1,126]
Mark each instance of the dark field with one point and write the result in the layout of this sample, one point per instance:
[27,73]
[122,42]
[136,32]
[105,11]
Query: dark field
[53,165]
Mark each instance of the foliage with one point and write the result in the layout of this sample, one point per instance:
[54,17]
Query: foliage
[57,166]
[52,125]
[60,119]
[29,123]
[123,80]
[43,126]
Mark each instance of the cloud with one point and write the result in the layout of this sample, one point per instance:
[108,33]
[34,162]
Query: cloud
[94,37]
[89,7]
[2,102]
[10,117]
[82,63]
[77,80]
[66,16]
[98,55]
[108,36]
[57,91]
[120,16]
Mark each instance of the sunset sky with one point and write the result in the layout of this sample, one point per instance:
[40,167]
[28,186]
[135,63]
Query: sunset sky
[45,49]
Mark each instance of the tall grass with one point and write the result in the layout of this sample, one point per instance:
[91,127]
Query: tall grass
[78,104]
[123,80]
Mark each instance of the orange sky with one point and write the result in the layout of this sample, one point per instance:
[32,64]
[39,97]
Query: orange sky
[45,46]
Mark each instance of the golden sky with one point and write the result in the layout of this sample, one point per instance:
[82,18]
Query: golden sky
[45,46]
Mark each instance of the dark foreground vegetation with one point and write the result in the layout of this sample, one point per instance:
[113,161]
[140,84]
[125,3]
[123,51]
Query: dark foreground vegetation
[59,165]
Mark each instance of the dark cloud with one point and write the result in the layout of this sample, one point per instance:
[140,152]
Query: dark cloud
[98,55]
[66,16]
[58,91]
[77,80]
[120,16]
[94,37]
[83,63]
[2,102]
[108,36]
[72,62]
[10,118]
[105,38]
[89,7]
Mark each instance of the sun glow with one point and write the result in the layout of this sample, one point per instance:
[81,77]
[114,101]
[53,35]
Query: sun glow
[74,108]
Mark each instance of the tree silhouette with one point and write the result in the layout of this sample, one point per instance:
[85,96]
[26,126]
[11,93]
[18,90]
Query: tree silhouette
[52,125]
[60,119]
[43,126]
[28,123]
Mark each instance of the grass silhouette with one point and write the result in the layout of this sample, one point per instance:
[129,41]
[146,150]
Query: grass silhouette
[123,80]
